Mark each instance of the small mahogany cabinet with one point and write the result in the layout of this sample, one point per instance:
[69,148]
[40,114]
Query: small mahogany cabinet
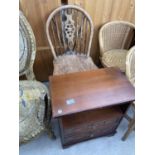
[86,125]
[99,100]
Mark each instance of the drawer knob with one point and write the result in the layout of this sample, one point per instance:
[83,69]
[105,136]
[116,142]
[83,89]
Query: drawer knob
[92,135]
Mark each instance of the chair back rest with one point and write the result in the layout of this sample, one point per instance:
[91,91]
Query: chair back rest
[130,65]
[116,35]
[69,28]
[27,48]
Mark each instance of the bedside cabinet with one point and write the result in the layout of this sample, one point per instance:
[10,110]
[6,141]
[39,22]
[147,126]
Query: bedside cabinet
[87,125]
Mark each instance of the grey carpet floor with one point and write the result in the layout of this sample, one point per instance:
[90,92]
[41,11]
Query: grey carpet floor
[113,145]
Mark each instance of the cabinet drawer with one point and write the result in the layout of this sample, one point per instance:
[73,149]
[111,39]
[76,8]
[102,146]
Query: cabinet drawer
[77,137]
[91,126]
[87,125]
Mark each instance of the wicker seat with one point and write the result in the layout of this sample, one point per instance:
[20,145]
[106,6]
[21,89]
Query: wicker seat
[130,65]
[32,119]
[34,100]
[115,58]
[115,38]
[130,73]
[69,31]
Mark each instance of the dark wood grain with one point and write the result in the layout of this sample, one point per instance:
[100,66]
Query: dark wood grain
[90,90]
[91,117]
[87,125]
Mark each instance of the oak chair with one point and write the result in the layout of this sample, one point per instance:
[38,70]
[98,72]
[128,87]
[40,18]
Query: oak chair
[115,39]
[130,73]
[69,31]
[34,100]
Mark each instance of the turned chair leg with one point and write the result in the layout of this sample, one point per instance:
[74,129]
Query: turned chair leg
[51,132]
[131,125]
[48,113]
[130,129]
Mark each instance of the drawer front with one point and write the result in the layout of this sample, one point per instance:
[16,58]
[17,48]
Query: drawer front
[75,130]
[74,138]
[94,131]
[105,124]
[91,127]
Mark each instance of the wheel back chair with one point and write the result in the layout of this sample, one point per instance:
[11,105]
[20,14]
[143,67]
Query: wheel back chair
[130,73]
[34,100]
[115,39]
[69,31]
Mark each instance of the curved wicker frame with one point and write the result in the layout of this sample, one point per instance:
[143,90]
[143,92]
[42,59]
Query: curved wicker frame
[130,73]
[116,35]
[130,65]
[34,109]
[33,94]
[29,49]
[80,30]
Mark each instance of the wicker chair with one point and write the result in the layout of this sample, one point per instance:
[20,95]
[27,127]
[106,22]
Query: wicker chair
[27,49]
[130,73]
[34,100]
[115,39]
[130,65]
[69,32]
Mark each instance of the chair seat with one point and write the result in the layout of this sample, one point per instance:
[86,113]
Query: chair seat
[72,63]
[115,58]
[31,109]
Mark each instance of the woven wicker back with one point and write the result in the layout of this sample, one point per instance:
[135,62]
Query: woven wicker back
[27,48]
[116,35]
[69,29]
[130,65]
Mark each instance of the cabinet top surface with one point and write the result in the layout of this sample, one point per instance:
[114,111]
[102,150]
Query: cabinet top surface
[82,91]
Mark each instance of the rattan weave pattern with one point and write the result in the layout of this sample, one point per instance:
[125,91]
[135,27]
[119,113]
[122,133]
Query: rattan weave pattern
[115,36]
[27,47]
[34,100]
[130,65]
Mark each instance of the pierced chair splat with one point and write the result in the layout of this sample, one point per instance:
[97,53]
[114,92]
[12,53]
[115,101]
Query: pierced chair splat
[69,32]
